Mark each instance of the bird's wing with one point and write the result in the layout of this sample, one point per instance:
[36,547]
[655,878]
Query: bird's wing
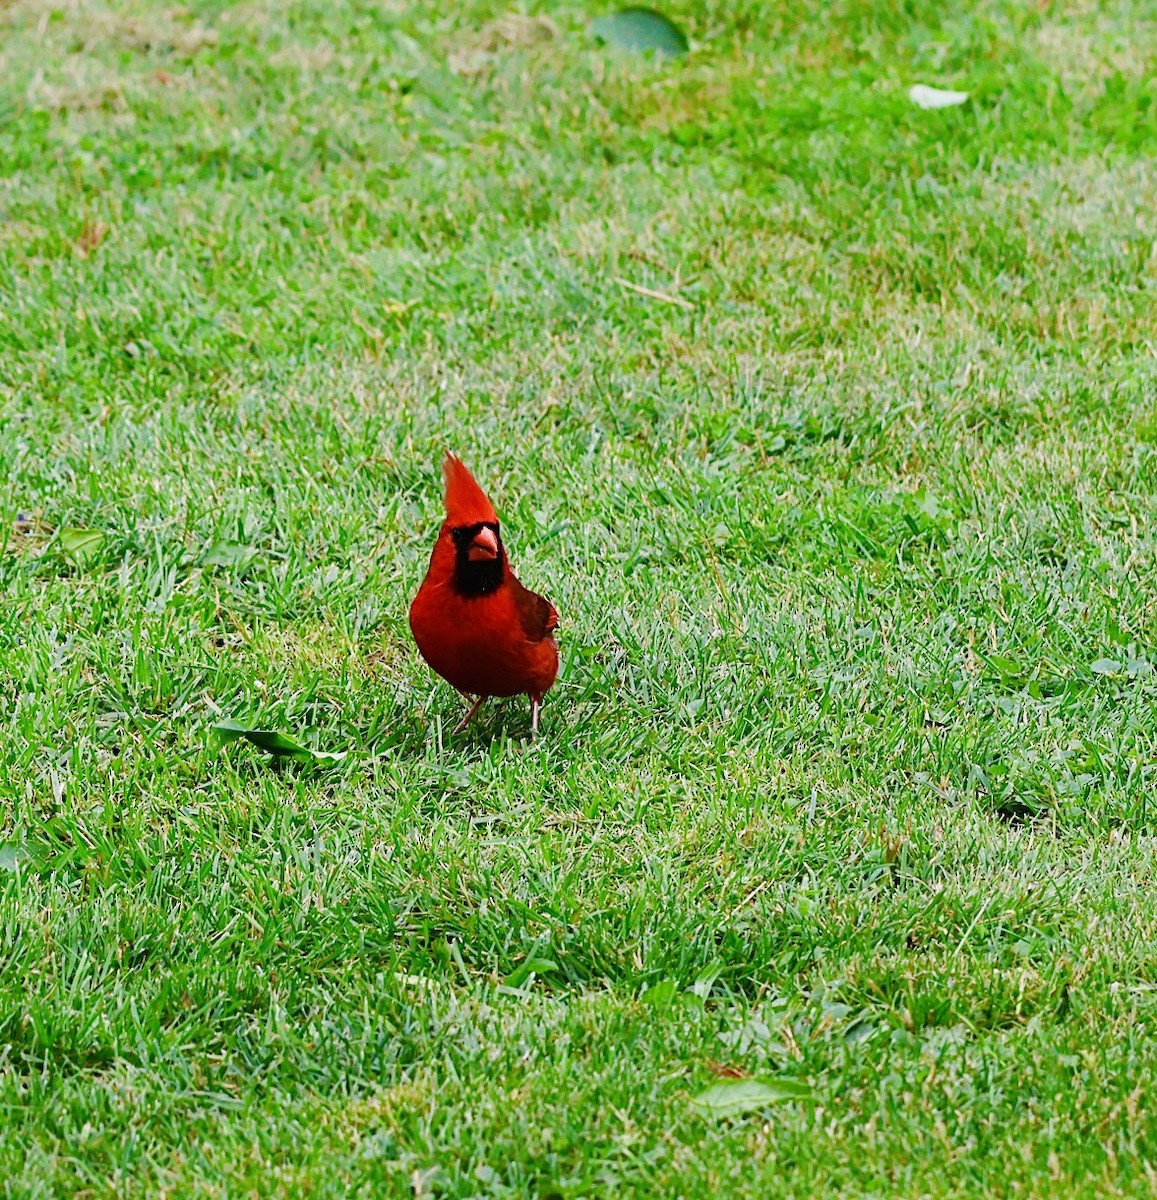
[537,615]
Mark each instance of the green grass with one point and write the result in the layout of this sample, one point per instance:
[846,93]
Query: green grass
[854,551]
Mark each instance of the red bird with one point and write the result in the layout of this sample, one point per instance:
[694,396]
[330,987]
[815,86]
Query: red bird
[474,623]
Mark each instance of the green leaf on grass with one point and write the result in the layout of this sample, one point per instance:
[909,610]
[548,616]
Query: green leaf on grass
[274,742]
[80,545]
[1106,666]
[227,554]
[532,966]
[748,1095]
[641,30]
[660,994]
[12,855]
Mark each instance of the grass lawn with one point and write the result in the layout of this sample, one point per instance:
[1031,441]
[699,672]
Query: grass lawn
[828,424]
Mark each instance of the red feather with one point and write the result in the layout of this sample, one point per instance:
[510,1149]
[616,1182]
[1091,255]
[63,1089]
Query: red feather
[466,502]
[473,622]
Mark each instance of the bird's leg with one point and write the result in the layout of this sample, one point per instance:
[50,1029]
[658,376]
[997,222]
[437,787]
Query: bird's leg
[469,716]
[535,705]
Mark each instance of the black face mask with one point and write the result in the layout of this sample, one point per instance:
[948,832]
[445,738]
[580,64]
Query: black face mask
[482,577]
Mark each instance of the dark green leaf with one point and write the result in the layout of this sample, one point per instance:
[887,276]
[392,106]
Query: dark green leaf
[274,742]
[748,1095]
[640,30]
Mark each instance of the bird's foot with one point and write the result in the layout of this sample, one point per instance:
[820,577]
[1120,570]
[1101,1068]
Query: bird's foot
[469,716]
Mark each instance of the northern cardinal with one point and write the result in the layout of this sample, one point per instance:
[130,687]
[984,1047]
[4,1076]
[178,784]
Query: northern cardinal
[474,623]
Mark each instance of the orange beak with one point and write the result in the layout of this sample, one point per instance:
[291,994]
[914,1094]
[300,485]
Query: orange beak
[484,547]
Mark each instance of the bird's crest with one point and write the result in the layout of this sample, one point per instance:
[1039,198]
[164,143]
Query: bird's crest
[466,502]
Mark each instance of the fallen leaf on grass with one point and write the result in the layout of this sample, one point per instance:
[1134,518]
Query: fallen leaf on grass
[12,855]
[640,30]
[748,1095]
[228,554]
[81,546]
[273,741]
